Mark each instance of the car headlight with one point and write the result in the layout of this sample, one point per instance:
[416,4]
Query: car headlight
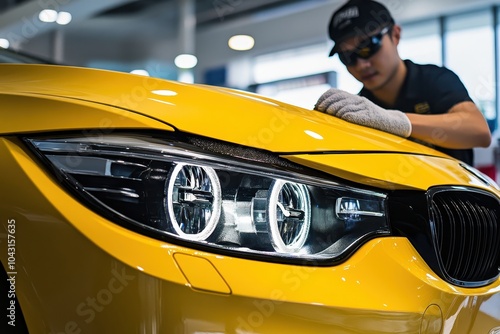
[178,192]
[193,201]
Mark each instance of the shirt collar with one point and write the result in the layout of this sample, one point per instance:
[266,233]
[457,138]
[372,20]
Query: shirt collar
[411,83]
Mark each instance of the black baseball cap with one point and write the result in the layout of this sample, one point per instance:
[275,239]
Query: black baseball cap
[357,18]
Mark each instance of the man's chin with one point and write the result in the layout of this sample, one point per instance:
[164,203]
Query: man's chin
[373,83]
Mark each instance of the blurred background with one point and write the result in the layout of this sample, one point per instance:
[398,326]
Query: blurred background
[283,48]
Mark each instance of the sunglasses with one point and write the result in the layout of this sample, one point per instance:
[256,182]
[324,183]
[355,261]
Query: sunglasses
[365,49]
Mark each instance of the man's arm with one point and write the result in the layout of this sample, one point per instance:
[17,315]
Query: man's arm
[462,127]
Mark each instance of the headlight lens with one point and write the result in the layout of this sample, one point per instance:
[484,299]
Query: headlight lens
[175,192]
[289,220]
[193,201]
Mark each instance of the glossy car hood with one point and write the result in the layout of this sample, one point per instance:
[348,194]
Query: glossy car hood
[229,115]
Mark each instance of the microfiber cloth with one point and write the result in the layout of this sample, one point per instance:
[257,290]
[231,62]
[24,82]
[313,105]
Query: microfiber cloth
[359,110]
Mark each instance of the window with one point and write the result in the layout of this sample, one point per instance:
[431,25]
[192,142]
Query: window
[421,42]
[290,76]
[470,53]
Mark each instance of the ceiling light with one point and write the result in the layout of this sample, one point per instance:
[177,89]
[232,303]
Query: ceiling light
[48,15]
[63,18]
[4,43]
[241,42]
[185,61]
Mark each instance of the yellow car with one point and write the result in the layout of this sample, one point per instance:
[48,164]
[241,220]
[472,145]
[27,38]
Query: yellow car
[131,204]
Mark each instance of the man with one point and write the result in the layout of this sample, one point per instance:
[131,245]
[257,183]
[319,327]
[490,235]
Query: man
[425,102]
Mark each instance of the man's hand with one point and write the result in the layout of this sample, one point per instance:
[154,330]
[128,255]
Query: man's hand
[359,110]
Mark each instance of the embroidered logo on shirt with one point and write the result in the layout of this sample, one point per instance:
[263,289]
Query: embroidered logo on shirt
[422,108]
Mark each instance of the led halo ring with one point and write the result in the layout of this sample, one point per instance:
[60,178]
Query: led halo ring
[304,205]
[215,207]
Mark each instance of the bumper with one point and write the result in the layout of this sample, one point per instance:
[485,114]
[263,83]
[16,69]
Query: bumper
[78,271]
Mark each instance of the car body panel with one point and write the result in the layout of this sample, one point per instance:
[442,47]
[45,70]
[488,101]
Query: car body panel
[359,295]
[55,114]
[391,171]
[269,125]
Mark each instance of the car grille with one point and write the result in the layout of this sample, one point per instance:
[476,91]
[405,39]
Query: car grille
[466,232]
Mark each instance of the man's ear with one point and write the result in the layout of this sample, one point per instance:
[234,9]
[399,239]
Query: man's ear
[396,34]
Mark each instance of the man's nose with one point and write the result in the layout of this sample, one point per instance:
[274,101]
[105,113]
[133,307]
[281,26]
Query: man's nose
[362,64]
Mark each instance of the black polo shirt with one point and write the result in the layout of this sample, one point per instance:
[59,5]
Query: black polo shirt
[429,89]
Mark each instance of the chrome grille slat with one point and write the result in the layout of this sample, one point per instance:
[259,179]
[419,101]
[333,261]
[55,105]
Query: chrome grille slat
[466,233]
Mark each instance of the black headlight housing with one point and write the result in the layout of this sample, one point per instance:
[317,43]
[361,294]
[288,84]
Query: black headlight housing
[216,196]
